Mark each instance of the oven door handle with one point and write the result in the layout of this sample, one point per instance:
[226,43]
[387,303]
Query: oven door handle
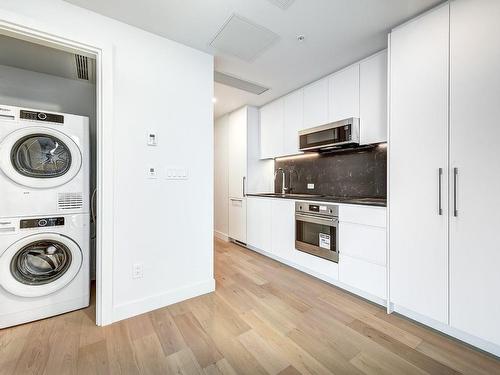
[332,222]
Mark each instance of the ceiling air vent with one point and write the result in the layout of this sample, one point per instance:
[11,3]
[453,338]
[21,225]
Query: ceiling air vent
[238,83]
[82,67]
[243,38]
[283,4]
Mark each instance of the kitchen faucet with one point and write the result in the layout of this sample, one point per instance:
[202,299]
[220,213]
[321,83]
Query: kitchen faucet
[283,188]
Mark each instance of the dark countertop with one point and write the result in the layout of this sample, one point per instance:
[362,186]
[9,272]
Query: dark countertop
[365,201]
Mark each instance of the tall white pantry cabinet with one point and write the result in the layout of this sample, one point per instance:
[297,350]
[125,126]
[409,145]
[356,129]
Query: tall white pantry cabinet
[444,170]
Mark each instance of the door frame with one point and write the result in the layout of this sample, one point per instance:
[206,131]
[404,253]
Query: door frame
[26,29]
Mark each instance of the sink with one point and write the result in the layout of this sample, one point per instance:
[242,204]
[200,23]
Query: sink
[290,195]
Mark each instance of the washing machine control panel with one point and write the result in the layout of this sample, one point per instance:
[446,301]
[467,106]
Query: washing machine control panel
[41,222]
[41,116]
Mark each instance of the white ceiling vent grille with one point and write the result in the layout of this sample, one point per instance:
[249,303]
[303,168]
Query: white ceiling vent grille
[242,38]
[70,201]
[283,4]
[238,83]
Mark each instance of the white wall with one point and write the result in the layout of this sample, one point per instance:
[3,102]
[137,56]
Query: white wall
[221,176]
[157,84]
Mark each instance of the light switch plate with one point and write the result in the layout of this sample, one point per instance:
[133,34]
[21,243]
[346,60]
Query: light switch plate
[310,186]
[177,173]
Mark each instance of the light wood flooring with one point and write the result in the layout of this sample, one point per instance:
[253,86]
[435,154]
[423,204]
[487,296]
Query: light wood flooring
[264,318]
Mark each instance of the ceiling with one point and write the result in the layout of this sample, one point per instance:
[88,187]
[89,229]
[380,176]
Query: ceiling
[337,33]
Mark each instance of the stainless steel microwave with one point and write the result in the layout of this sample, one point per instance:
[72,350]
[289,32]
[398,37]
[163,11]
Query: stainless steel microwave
[330,136]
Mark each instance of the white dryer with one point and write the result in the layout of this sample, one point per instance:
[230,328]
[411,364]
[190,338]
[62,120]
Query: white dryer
[44,162]
[44,267]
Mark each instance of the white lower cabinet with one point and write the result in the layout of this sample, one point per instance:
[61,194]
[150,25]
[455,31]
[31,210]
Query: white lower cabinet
[283,228]
[362,275]
[237,226]
[259,223]
[362,264]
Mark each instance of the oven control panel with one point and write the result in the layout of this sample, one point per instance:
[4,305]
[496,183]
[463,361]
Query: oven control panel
[321,209]
[41,222]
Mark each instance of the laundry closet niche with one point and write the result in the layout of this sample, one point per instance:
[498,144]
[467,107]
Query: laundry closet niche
[40,78]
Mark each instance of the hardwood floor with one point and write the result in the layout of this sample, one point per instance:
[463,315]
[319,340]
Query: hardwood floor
[264,318]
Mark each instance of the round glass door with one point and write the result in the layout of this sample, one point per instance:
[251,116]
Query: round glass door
[40,262]
[41,156]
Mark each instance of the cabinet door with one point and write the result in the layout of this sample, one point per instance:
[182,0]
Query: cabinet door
[475,131]
[259,223]
[316,103]
[344,94]
[418,148]
[283,228]
[373,99]
[271,130]
[293,121]
[237,152]
[238,219]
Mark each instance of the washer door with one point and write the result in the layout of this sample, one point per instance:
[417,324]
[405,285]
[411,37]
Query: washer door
[39,157]
[39,264]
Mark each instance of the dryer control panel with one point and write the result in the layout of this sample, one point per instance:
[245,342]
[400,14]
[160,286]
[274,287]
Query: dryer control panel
[41,222]
[41,116]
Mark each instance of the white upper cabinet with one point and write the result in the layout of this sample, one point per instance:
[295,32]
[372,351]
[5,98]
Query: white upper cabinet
[293,121]
[237,159]
[419,148]
[373,99]
[343,98]
[474,151]
[271,129]
[316,103]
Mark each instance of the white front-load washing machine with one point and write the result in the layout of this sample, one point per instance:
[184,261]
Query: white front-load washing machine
[44,162]
[44,267]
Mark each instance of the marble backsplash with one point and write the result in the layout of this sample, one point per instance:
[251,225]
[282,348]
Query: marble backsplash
[344,173]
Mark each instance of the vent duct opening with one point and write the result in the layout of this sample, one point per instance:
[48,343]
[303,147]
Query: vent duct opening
[238,83]
[84,67]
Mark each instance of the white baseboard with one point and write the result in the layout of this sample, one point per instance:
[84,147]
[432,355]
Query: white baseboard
[326,278]
[143,305]
[450,331]
[221,236]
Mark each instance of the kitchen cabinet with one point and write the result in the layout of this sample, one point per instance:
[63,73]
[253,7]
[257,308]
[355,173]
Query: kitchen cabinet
[259,223]
[293,121]
[283,228]
[316,103]
[474,106]
[373,99]
[246,172]
[443,183]
[237,225]
[363,250]
[272,129]
[343,98]
[237,152]
[418,151]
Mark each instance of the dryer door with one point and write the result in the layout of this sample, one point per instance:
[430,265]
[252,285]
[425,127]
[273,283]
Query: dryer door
[39,157]
[39,264]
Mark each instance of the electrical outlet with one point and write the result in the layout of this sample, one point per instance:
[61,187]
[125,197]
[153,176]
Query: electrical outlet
[310,186]
[152,139]
[137,271]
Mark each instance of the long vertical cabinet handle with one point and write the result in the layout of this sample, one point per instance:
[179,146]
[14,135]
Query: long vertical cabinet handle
[244,194]
[455,180]
[440,185]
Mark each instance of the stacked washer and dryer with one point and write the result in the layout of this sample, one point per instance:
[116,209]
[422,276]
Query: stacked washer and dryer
[44,214]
